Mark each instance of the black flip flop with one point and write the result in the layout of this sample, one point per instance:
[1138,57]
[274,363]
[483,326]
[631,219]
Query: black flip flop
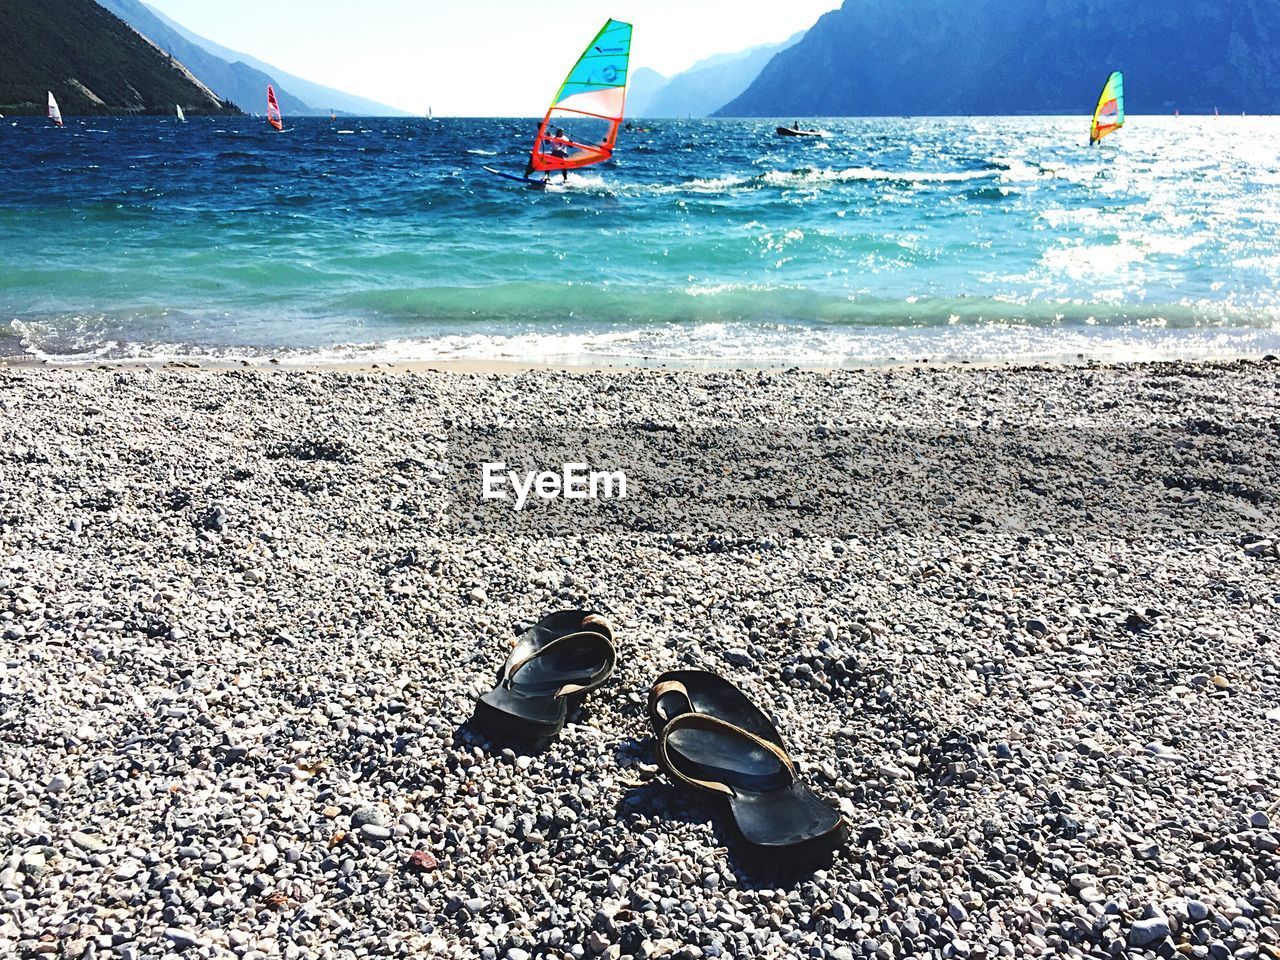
[777,816]
[562,657]
[678,692]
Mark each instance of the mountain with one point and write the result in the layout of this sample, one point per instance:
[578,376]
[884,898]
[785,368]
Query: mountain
[644,84]
[238,82]
[711,83]
[234,76]
[977,57]
[92,61]
[321,97]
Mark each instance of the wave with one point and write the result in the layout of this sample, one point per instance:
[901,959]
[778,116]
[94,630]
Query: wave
[718,346]
[678,317]
[810,177]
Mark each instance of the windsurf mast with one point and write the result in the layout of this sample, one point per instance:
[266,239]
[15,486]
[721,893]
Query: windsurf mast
[594,93]
[1108,117]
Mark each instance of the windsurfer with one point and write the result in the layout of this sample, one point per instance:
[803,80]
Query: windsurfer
[558,151]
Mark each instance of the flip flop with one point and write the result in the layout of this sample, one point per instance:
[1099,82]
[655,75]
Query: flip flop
[777,816]
[562,657]
[699,691]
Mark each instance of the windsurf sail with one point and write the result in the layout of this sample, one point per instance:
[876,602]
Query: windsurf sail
[1109,116]
[273,109]
[581,125]
[181,116]
[54,113]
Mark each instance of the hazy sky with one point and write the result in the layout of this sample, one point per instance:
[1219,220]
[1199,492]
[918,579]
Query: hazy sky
[477,57]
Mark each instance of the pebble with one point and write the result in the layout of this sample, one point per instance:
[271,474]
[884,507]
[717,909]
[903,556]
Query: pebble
[88,842]
[59,784]
[181,939]
[1143,933]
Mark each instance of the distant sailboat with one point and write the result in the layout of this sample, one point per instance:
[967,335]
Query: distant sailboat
[1108,116]
[274,117]
[54,113]
[182,117]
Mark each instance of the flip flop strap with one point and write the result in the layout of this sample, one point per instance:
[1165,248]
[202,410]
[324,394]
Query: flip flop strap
[526,650]
[660,690]
[707,722]
[611,656]
[610,660]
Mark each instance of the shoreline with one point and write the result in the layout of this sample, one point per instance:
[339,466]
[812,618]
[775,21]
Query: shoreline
[514,367]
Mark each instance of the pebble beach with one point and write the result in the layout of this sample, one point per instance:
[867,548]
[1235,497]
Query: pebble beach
[241,636]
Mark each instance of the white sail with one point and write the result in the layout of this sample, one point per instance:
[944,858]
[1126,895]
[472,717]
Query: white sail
[181,116]
[54,113]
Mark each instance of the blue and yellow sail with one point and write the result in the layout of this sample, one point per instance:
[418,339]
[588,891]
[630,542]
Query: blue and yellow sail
[593,94]
[1108,117]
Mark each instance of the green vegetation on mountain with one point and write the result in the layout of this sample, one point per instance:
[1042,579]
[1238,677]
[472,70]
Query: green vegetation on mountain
[92,61]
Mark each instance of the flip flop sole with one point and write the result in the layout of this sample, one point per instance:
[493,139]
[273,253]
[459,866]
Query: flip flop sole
[777,817]
[554,664]
[791,826]
[711,694]
[522,718]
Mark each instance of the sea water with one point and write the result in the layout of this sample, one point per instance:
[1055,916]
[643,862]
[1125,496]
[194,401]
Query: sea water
[703,242]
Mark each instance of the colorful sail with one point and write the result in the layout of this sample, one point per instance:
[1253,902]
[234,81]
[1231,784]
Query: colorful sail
[54,113]
[181,116]
[1109,116]
[581,126]
[274,116]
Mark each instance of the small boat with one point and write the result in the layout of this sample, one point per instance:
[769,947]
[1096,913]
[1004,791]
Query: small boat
[797,131]
[182,117]
[1108,116]
[54,113]
[594,96]
[274,117]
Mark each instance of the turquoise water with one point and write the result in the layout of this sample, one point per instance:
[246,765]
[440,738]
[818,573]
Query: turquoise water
[704,242]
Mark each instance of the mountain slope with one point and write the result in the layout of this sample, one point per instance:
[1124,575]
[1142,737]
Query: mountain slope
[322,98]
[640,91]
[243,85]
[958,57]
[92,61]
[711,83]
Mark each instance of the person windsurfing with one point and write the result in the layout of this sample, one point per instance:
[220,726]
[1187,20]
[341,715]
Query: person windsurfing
[559,152]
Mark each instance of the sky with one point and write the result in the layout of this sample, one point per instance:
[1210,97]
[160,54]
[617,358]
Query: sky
[477,57]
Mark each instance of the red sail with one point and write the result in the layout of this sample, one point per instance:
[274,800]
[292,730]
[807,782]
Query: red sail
[273,109]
